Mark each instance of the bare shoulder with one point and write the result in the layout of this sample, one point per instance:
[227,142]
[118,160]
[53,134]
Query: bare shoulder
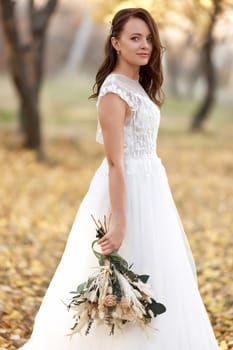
[111,100]
[111,106]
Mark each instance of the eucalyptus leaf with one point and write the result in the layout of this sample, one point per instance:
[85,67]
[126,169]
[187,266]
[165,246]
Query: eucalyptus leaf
[81,287]
[143,278]
[157,308]
[101,260]
[132,276]
[116,258]
[89,281]
[117,289]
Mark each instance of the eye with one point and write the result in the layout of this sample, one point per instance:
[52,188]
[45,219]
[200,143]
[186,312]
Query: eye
[149,39]
[135,38]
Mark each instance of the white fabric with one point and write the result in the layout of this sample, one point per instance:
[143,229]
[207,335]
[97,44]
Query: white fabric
[155,242]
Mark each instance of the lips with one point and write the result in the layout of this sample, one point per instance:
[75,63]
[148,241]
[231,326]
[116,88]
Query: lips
[143,54]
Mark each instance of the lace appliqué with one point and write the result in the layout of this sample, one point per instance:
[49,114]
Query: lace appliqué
[141,128]
[127,96]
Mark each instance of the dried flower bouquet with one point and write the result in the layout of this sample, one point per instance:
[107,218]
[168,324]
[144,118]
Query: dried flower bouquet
[114,294]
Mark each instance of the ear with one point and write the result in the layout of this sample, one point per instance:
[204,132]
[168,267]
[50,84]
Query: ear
[115,43]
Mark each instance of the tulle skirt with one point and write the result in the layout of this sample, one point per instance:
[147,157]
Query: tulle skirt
[156,244]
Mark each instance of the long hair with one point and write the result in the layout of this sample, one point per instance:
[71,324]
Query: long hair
[151,74]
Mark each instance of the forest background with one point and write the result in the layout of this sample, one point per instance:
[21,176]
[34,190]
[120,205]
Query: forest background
[49,53]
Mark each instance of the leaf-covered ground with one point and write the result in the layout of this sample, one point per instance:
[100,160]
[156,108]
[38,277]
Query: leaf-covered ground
[39,202]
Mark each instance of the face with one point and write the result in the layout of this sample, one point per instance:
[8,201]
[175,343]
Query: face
[135,43]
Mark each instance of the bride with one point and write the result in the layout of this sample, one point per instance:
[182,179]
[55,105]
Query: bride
[131,184]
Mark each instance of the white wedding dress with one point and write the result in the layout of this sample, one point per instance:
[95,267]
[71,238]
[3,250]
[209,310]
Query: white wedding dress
[155,243]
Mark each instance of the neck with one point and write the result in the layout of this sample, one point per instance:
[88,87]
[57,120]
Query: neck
[129,70]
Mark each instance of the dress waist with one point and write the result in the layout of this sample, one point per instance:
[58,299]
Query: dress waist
[144,165]
[142,156]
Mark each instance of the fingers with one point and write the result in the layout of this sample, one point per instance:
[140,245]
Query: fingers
[106,245]
[102,240]
[106,248]
[107,251]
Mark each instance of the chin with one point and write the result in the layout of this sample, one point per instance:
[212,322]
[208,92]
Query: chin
[143,61]
[144,64]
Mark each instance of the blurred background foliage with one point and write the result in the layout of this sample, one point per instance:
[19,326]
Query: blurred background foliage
[65,39]
[49,53]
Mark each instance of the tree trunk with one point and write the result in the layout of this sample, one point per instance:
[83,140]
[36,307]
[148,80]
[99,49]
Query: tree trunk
[79,47]
[210,75]
[26,65]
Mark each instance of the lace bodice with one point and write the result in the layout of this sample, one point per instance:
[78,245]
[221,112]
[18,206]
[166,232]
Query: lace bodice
[141,128]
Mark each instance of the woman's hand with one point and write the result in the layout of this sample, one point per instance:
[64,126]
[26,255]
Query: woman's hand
[112,240]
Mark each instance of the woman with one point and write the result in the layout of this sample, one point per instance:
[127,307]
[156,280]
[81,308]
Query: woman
[131,183]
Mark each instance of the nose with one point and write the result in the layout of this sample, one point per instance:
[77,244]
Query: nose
[145,44]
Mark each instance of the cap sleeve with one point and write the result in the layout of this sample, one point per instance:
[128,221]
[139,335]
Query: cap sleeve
[116,86]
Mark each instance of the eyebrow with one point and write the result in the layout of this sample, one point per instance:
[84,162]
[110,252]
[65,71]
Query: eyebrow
[140,34]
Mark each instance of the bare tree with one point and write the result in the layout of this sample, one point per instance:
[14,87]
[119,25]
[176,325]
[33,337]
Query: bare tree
[208,70]
[26,65]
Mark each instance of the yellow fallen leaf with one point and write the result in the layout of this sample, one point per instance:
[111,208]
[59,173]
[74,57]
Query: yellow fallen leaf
[14,315]
[223,345]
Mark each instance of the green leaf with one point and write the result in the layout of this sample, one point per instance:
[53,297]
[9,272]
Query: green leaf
[156,308]
[89,282]
[117,259]
[81,287]
[131,275]
[101,260]
[143,278]
[116,288]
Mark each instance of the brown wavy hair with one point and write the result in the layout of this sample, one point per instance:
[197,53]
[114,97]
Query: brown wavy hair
[151,74]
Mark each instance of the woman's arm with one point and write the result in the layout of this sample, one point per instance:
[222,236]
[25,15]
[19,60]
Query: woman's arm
[112,112]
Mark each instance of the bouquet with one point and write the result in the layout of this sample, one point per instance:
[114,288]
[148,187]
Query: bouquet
[114,294]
